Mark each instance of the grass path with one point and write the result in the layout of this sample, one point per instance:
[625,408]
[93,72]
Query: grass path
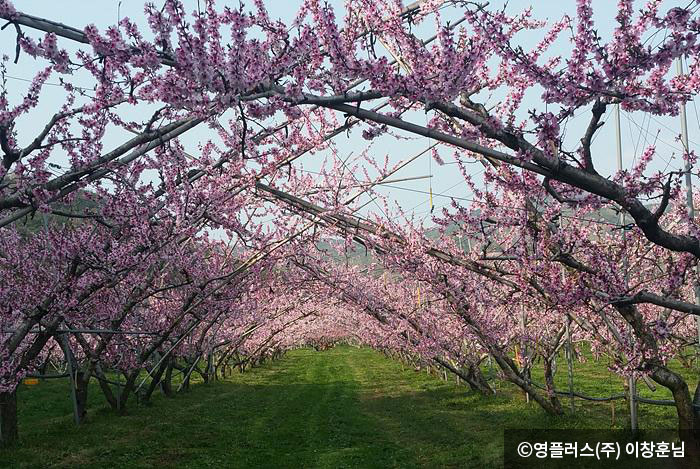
[345,407]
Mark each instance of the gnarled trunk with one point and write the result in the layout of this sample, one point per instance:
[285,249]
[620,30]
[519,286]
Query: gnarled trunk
[687,419]
[479,380]
[473,376]
[511,374]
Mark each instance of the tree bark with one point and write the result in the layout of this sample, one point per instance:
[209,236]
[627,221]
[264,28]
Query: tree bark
[549,384]
[509,369]
[82,381]
[126,391]
[681,395]
[186,384]
[8,418]
[208,369]
[687,420]
[155,381]
[479,380]
[167,382]
[105,387]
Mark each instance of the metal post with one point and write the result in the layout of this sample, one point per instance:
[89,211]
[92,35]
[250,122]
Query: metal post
[569,345]
[523,349]
[689,192]
[631,382]
[72,372]
[570,362]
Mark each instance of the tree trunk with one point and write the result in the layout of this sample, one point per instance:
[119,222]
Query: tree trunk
[8,418]
[509,369]
[186,382]
[81,394]
[107,391]
[167,382]
[212,368]
[472,376]
[681,395]
[480,383]
[105,387]
[206,374]
[687,417]
[155,381]
[549,384]
[45,365]
[127,389]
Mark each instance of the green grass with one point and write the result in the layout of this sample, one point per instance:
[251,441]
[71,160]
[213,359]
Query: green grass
[346,407]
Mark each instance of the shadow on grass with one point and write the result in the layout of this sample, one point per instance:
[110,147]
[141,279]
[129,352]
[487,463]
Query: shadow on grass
[223,424]
[341,408]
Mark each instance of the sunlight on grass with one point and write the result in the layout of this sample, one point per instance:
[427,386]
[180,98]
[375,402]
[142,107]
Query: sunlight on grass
[346,407]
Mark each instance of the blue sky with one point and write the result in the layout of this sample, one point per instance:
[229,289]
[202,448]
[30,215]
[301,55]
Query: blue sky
[446,180]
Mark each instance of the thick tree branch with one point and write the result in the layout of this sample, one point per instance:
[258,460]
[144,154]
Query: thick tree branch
[598,111]
[652,298]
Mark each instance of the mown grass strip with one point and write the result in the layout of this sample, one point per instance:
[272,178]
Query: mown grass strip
[346,407]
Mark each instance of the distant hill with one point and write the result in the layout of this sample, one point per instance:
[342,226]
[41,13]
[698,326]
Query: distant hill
[38,220]
[356,254]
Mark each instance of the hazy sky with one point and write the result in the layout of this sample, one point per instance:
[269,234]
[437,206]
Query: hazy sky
[637,129]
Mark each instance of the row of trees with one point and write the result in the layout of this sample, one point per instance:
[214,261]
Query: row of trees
[112,223]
